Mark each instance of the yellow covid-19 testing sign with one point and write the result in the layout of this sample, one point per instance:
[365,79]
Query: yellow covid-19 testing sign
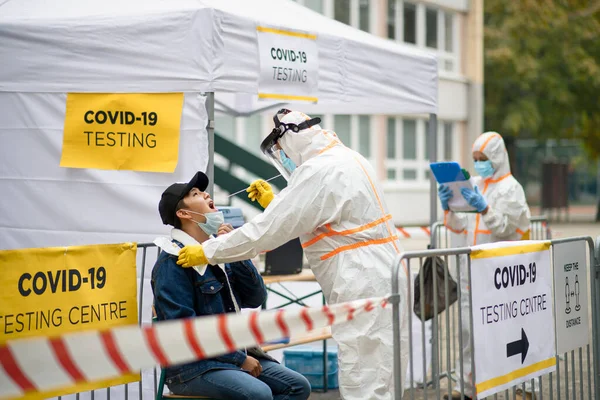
[52,291]
[122,131]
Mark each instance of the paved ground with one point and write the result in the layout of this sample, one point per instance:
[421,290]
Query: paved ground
[574,364]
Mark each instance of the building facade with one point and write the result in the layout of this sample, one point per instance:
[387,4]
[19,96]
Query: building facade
[397,145]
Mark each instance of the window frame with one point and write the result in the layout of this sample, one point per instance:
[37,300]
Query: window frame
[420,26]
[421,163]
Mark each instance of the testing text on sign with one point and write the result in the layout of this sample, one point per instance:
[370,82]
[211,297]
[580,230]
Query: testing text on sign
[122,131]
[512,303]
[51,291]
[288,65]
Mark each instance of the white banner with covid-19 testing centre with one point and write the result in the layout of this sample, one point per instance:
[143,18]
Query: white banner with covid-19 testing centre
[513,325]
[529,303]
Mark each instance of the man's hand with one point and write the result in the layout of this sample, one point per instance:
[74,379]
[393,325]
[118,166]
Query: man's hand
[191,256]
[261,191]
[224,228]
[253,366]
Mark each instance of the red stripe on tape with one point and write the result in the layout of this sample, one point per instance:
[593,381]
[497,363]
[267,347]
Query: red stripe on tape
[12,369]
[307,319]
[152,341]
[113,352]
[426,229]
[402,231]
[369,305]
[329,314]
[281,324]
[255,329]
[350,310]
[224,332]
[190,335]
[64,358]
[384,303]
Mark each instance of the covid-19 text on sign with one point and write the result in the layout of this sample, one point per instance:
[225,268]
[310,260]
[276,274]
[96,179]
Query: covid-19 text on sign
[511,284]
[122,131]
[51,291]
[289,65]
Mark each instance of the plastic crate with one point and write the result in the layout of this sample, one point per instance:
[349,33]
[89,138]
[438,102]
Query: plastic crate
[308,361]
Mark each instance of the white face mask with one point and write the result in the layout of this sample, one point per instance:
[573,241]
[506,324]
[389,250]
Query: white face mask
[214,220]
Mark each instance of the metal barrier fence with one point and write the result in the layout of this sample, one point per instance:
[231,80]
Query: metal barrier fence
[539,229]
[441,237]
[447,341]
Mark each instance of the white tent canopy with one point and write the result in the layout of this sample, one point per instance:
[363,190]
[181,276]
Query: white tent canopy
[201,46]
[50,49]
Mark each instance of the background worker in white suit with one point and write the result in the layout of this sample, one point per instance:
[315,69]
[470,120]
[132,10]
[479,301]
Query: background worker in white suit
[335,205]
[502,214]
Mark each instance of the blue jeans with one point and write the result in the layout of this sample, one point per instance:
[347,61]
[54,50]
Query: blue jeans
[276,382]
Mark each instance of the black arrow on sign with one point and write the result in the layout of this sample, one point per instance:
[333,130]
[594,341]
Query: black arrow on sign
[518,347]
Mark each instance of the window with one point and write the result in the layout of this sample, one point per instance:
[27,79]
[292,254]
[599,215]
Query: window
[364,135]
[410,23]
[449,32]
[355,13]
[448,139]
[391,139]
[402,162]
[254,133]
[409,175]
[363,15]
[409,139]
[426,147]
[407,152]
[343,128]
[431,28]
[315,5]
[225,126]
[391,19]
[342,11]
[426,27]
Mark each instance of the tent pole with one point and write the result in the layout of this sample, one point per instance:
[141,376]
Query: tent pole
[432,151]
[210,169]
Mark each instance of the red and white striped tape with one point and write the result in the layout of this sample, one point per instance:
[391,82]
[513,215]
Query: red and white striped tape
[423,232]
[42,364]
[414,232]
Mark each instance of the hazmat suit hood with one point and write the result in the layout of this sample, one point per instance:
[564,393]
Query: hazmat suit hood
[307,143]
[492,145]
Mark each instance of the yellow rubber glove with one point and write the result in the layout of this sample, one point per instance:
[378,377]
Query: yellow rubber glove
[260,191]
[190,256]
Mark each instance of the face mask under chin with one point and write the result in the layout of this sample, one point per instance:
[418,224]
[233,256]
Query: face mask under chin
[214,220]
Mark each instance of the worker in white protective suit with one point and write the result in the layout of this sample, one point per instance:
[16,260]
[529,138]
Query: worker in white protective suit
[335,205]
[502,214]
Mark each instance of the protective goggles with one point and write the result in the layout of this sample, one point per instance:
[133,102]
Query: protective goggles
[271,148]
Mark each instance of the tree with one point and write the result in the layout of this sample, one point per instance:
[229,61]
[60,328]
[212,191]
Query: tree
[542,70]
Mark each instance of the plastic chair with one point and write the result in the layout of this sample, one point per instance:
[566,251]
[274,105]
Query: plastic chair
[161,381]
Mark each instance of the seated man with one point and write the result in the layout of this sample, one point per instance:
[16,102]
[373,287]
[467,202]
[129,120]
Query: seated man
[190,292]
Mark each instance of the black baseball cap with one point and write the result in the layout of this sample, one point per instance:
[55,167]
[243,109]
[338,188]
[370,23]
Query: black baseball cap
[177,191]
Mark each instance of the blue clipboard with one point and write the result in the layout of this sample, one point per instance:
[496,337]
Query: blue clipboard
[447,171]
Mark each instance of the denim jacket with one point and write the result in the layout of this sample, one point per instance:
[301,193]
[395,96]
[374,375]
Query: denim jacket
[182,293]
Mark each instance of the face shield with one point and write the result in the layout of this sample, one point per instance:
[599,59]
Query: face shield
[271,148]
